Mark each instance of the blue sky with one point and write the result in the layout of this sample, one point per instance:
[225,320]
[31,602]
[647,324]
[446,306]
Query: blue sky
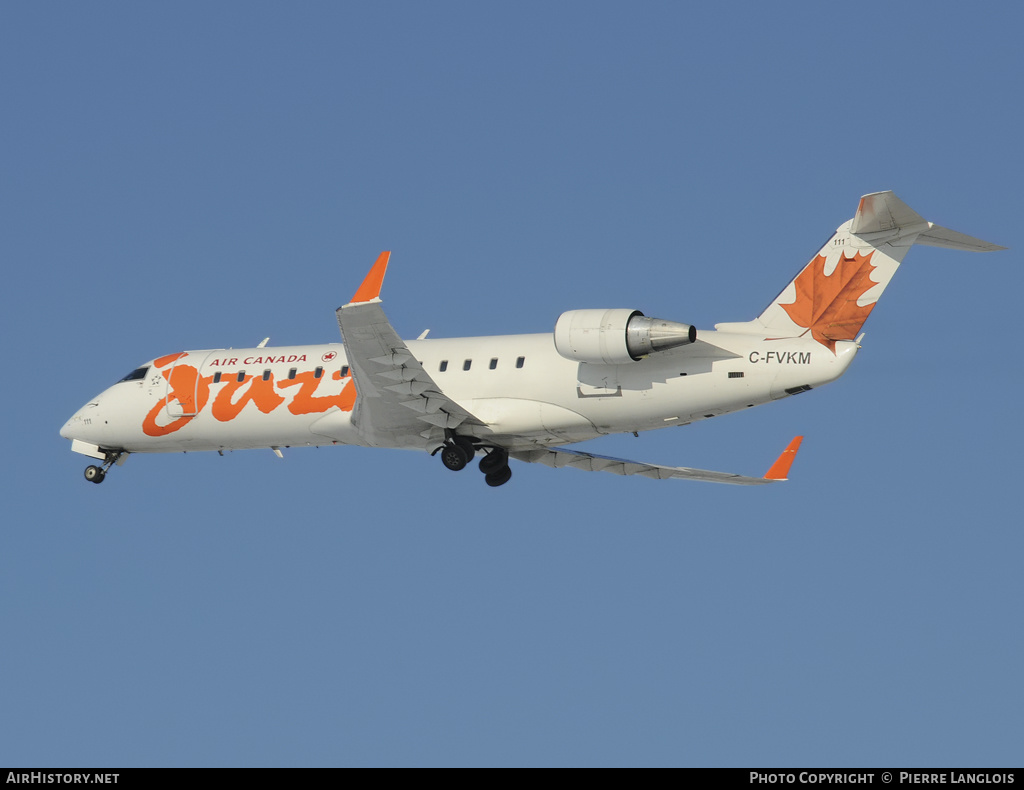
[205,175]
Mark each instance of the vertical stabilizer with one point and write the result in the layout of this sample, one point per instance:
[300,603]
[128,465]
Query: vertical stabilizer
[833,295]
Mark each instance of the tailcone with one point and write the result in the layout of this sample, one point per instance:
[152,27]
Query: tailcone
[647,335]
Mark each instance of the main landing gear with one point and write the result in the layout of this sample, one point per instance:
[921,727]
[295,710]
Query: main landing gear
[458,451]
[495,467]
[97,474]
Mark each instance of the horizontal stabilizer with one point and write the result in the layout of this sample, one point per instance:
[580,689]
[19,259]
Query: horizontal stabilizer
[884,213]
[938,236]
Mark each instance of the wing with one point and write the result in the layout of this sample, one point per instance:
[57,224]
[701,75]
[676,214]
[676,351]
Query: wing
[398,404]
[619,466]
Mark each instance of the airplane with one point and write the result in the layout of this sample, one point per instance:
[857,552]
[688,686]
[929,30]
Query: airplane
[516,397]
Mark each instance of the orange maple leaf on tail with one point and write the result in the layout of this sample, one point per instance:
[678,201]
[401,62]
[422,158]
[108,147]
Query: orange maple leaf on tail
[827,304]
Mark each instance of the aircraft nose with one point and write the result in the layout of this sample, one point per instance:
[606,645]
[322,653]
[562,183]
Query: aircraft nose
[82,423]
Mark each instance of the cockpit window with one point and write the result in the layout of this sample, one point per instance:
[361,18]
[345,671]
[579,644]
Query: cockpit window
[136,375]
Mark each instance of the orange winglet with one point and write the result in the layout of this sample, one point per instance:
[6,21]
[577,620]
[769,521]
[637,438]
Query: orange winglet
[780,469]
[370,289]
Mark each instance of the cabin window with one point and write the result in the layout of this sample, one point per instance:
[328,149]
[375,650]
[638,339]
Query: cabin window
[136,375]
[494,363]
[292,372]
[443,366]
[344,371]
[241,375]
[216,377]
[318,373]
[466,365]
[520,362]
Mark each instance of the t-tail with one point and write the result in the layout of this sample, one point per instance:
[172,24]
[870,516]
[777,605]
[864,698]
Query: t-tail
[834,294]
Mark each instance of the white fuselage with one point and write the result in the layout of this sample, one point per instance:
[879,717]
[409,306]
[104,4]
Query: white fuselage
[524,392]
[602,371]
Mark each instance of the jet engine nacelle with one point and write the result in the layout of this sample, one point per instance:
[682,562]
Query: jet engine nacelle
[615,337]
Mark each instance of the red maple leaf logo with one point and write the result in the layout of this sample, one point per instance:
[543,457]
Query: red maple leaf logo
[827,304]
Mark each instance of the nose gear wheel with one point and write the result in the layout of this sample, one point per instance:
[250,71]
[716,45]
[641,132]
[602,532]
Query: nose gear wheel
[97,474]
[94,474]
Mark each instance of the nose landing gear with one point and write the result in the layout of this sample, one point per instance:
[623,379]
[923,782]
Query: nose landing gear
[97,474]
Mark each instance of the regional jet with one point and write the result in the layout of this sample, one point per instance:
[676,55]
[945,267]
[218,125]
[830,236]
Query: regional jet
[515,397]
